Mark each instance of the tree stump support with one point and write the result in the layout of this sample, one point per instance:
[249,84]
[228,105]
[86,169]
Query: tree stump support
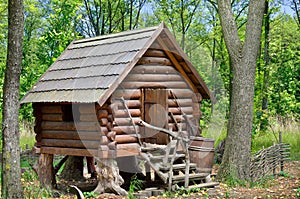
[46,170]
[109,179]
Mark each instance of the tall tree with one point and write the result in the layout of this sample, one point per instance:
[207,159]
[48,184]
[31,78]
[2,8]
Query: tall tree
[179,13]
[11,171]
[295,5]
[243,56]
[104,17]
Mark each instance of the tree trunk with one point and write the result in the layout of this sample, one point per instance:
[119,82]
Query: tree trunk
[243,56]
[264,105]
[73,169]
[109,178]
[46,170]
[11,171]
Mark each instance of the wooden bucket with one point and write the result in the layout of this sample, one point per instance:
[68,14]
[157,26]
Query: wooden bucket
[201,152]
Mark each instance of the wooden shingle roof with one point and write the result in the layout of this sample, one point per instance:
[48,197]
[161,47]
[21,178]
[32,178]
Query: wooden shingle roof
[89,70]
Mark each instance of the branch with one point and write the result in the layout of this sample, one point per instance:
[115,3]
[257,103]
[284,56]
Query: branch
[142,123]
[214,4]
[254,27]
[297,11]
[59,165]
[229,29]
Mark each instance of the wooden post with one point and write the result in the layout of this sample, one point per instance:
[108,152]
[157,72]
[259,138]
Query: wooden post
[46,171]
[281,157]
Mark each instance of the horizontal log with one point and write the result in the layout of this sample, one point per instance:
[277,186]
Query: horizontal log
[126,93]
[181,93]
[102,113]
[88,126]
[123,150]
[124,113]
[50,109]
[111,136]
[93,144]
[126,121]
[154,53]
[69,151]
[150,78]
[131,104]
[181,110]
[180,102]
[110,118]
[155,60]
[121,139]
[88,117]
[52,117]
[125,129]
[155,84]
[153,69]
[71,126]
[67,126]
[103,121]
[72,135]
[87,108]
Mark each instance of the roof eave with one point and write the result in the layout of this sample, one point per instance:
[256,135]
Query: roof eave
[205,93]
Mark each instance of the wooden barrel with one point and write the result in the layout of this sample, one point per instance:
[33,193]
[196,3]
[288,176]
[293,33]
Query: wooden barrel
[201,152]
[202,142]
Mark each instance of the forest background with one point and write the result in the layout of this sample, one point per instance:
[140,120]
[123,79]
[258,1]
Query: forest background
[50,25]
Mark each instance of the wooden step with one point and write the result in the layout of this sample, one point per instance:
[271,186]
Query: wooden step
[161,157]
[177,167]
[192,176]
[204,185]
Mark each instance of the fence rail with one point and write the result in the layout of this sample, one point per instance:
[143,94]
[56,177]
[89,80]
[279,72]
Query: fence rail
[267,160]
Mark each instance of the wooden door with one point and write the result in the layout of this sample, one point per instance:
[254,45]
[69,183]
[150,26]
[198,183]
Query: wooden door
[155,112]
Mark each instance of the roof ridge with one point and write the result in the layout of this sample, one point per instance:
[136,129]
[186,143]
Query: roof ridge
[115,35]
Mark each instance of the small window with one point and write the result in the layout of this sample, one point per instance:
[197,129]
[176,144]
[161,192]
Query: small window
[70,112]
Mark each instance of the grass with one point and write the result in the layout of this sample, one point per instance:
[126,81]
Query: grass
[290,132]
[27,135]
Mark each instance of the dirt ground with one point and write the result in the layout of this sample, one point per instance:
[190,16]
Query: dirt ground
[287,186]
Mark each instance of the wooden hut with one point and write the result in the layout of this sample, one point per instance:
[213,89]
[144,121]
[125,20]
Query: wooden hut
[98,87]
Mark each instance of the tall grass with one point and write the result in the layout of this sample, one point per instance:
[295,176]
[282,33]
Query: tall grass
[27,135]
[290,134]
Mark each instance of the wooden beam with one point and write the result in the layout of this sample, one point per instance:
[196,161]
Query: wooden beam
[176,64]
[122,151]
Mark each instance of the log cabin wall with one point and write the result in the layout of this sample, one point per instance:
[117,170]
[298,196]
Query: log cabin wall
[77,129]
[155,70]
[68,129]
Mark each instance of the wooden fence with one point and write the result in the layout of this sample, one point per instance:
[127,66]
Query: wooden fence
[268,160]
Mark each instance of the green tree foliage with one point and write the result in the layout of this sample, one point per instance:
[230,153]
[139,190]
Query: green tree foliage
[49,28]
[60,28]
[3,45]
[104,17]
[285,68]
[50,25]
[282,89]
[180,14]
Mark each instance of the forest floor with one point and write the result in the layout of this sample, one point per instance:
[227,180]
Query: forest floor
[284,186]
